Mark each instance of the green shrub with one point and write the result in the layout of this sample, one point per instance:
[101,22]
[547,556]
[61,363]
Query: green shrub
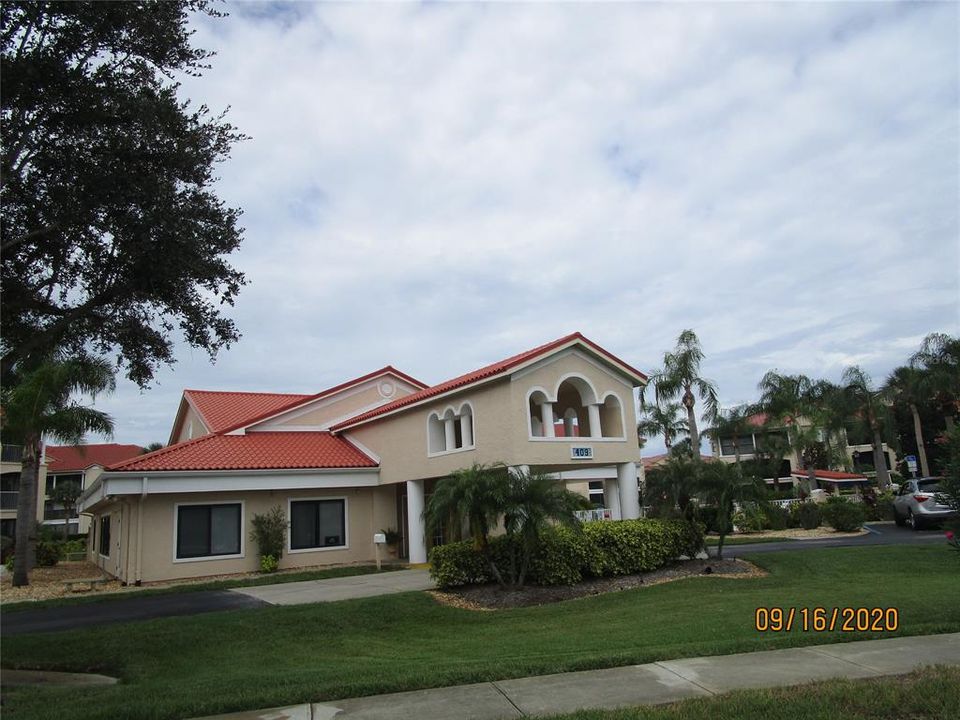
[708,516]
[269,532]
[566,555]
[70,547]
[750,518]
[777,518]
[6,545]
[48,553]
[268,564]
[806,514]
[842,515]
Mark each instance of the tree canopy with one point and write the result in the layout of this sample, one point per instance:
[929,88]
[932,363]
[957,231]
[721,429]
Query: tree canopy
[113,236]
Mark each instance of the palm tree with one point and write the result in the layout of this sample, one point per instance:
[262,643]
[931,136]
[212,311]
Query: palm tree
[736,424]
[724,485]
[772,447]
[866,404]
[66,494]
[662,420]
[680,380]
[535,500]
[785,399]
[39,406]
[910,386]
[673,483]
[939,355]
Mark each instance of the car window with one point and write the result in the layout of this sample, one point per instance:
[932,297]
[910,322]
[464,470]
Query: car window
[931,485]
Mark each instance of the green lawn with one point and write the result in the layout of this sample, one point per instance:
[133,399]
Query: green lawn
[275,579]
[928,694]
[220,662]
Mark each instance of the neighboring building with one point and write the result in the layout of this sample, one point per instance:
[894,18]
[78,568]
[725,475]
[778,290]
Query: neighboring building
[78,463]
[357,458]
[726,450]
[81,464]
[10,470]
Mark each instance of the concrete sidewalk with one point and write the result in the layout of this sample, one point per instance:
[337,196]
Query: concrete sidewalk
[651,684]
[345,588]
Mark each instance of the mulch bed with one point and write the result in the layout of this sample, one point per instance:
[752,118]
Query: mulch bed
[493,597]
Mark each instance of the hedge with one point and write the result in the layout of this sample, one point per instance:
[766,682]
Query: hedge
[565,556]
[842,515]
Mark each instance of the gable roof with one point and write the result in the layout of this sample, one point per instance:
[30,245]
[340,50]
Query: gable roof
[487,372]
[223,412]
[75,458]
[255,451]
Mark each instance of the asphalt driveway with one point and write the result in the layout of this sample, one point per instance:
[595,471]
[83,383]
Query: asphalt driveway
[880,534]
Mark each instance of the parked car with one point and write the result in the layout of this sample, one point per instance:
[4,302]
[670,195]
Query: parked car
[916,504]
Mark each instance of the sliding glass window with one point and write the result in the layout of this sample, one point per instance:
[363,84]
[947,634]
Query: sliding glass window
[318,524]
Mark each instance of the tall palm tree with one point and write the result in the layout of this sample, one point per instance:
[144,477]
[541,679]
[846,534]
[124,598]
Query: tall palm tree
[866,405]
[939,355]
[785,399]
[40,406]
[662,420]
[680,379]
[910,387]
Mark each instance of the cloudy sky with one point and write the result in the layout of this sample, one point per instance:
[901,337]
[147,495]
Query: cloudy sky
[438,186]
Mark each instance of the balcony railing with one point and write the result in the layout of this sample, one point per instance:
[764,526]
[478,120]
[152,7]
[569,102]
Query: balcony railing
[8,499]
[11,453]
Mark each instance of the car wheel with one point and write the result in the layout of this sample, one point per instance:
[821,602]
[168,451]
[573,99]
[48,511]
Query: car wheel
[898,518]
[913,520]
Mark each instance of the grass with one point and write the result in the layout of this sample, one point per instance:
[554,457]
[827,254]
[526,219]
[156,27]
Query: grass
[927,694]
[276,579]
[229,661]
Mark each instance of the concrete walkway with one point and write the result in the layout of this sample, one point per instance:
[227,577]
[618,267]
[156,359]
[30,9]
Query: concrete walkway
[651,684]
[345,588]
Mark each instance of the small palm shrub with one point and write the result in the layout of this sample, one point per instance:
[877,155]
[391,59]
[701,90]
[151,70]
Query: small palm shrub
[269,532]
[842,515]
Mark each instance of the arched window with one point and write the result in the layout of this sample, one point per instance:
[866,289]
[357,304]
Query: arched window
[535,412]
[574,396]
[451,430]
[611,417]
[435,434]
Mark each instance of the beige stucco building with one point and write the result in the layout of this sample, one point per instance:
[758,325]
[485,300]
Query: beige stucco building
[359,458]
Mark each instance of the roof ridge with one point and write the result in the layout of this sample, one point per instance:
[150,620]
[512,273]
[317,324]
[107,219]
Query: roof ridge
[244,392]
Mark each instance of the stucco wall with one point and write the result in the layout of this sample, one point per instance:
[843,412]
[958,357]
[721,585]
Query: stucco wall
[368,511]
[500,427]
[191,426]
[341,406]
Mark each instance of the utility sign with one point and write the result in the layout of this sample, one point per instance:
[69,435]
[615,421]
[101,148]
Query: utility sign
[581,453]
[911,463]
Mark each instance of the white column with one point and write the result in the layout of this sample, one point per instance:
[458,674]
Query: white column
[416,540]
[611,498]
[629,493]
[450,433]
[567,426]
[546,416]
[593,412]
[466,429]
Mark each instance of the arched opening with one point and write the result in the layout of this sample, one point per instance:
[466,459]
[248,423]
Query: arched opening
[435,435]
[535,413]
[465,436]
[611,417]
[574,396]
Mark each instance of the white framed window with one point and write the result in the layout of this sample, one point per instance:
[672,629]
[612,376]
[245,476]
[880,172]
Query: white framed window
[207,531]
[317,524]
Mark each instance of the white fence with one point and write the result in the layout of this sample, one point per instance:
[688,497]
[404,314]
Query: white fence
[602,514]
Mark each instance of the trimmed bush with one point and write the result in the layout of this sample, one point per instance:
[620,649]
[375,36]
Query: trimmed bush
[48,553]
[806,515]
[708,516]
[842,515]
[750,519]
[778,518]
[565,556]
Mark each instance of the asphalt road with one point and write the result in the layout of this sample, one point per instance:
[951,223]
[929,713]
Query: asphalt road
[71,617]
[880,534]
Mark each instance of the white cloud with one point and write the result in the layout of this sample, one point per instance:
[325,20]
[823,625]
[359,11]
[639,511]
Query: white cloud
[438,186]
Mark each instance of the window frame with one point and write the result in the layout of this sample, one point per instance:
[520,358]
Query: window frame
[205,558]
[346,524]
[100,535]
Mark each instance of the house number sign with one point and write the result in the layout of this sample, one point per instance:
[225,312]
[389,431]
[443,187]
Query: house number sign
[581,453]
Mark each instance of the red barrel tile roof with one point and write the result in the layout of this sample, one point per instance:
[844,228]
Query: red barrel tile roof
[253,451]
[223,410]
[74,458]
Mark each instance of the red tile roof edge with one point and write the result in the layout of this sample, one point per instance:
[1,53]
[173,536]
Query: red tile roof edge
[91,454]
[831,475]
[488,371]
[322,394]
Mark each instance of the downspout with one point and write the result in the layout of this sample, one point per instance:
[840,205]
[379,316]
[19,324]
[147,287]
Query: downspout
[143,494]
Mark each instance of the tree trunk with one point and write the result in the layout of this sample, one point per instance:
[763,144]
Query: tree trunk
[66,522]
[880,461]
[688,403]
[918,433]
[811,478]
[26,514]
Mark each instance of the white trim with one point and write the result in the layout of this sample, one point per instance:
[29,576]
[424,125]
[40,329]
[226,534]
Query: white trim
[363,448]
[206,558]
[579,438]
[589,358]
[346,525]
[456,418]
[578,376]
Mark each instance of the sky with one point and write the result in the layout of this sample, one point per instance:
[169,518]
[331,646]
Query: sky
[439,186]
